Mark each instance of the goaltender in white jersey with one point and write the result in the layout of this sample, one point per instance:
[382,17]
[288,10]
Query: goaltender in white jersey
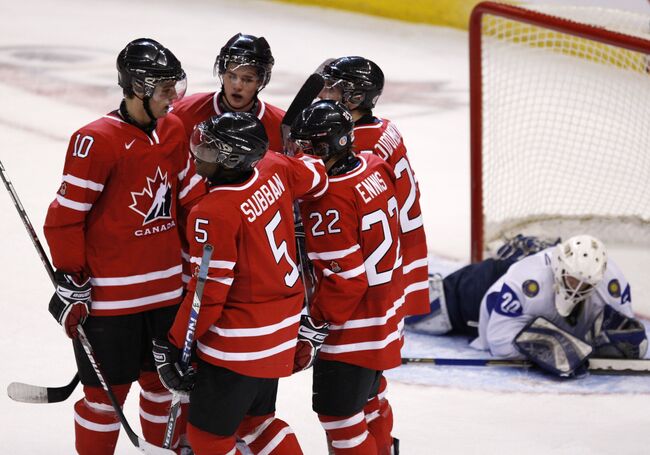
[556,307]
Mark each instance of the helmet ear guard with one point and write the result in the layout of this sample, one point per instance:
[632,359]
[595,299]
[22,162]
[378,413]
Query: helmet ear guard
[579,265]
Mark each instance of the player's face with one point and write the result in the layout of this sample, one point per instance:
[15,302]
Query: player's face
[165,93]
[331,91]
[205,169]
[577,288]
[240,85]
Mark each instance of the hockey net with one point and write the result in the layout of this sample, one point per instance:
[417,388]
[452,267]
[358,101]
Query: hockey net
[560,121]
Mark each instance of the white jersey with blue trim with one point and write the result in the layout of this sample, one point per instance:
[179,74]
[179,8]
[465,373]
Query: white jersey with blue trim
[526,291]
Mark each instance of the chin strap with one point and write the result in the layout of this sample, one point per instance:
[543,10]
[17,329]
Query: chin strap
[127,117]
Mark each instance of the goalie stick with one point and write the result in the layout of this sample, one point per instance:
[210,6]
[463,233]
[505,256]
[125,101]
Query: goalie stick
[596,365]
[141,444]
[305,96]
[186,354]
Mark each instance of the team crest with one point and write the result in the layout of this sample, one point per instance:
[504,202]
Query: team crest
[154,202]
[63,189]
[614,288]
[334,267]
[530,288]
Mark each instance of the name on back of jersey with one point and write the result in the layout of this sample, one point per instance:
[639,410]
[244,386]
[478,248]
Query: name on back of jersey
[371,187]
[263,198]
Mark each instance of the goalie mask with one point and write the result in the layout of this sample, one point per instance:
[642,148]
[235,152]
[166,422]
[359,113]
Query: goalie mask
[147,69]
[245,50]
[235,140]
[354,81]
[324,129]
[578,267]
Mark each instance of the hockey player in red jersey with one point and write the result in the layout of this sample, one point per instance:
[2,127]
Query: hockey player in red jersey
[352,236]
[358,83]
[112,233]
[250,311]
[244,67]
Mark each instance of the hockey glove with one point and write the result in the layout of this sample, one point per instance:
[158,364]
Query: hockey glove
[172,376]
[311,336]
[520,246]
[70,304]
[553,349]
[614,335]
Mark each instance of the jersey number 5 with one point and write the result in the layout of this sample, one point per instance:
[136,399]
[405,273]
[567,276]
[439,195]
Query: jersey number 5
[280,251]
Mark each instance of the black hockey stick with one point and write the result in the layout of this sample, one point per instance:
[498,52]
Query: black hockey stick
[27,393]
[137,441]
[305,96]
[189,340]
[596,365]
[19,391]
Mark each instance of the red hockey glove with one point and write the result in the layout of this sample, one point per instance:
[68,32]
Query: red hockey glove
[70,304]
[311,336]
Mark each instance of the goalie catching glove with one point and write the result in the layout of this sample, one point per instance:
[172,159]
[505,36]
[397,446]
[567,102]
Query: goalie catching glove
[70,303]
[614,335]
[311,336]
[173,377]
[552,349]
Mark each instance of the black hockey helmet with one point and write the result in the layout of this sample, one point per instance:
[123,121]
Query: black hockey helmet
[234,140]
[324,129]
[144,63]
[361,80]
[246,50]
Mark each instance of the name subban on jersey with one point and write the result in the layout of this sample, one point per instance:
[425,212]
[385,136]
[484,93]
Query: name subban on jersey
[155,229]
[263,198]
[371,187]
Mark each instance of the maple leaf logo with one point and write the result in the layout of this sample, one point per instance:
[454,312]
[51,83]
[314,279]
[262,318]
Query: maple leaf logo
[154,202]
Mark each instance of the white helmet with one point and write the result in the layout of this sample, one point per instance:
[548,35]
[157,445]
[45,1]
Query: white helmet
[578,266]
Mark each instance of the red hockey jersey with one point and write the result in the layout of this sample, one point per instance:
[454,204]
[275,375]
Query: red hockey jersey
[384,140]
[352,238]
[252,299]
[115,214]
[201,106]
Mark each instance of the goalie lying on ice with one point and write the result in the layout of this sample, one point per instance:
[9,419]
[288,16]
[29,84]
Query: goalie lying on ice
[555,305]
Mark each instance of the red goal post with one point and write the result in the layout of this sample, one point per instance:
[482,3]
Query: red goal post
[560,123]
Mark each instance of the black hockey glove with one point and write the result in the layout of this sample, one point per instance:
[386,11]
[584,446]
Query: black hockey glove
[311,336]
[172,376]
[70,304]
[614,335]
[520,246]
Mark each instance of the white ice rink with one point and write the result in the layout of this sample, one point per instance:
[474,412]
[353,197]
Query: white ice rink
[57,72]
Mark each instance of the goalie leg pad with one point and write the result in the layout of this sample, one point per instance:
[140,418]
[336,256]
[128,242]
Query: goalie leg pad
[437,321]
[553,349]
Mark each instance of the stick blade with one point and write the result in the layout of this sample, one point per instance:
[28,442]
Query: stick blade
[27,393]
[149,448]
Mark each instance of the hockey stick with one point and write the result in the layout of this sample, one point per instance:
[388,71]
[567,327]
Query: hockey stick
[19,391]
[189,341]
[596,365]
[27,393]
[305,96]
[137,441]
